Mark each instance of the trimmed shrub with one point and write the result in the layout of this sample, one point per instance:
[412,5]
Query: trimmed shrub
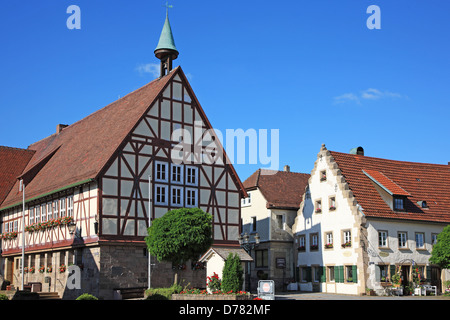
[232,279]
[162,293]
[86,296]
[3,297]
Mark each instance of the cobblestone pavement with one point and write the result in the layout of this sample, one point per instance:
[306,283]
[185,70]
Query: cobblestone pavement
[331,296]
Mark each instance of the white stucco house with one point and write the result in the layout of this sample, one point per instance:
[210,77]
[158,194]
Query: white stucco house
[364,219]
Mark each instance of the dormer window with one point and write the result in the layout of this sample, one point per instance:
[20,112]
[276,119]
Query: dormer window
[399,203]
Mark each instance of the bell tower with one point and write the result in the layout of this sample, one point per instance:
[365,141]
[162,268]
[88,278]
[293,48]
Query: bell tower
[166,51]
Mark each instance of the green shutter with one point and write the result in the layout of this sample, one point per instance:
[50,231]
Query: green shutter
[339,274]
[392,267]
[323,274]
[428,275]
[355,274]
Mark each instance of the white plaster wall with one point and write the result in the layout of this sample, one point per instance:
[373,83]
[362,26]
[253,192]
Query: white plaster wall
[257,208]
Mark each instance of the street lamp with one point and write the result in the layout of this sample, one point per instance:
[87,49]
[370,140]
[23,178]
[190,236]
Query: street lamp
[245,244]
[248,247]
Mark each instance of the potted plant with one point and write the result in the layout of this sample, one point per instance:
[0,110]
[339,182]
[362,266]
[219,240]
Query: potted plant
[396,280]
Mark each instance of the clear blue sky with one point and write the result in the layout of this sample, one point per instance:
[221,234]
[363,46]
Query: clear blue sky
[311,69]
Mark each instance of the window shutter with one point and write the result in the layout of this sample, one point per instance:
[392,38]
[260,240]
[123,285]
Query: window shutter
[355,274]
[392,267]
[339,274]
[428,275]
[323,274]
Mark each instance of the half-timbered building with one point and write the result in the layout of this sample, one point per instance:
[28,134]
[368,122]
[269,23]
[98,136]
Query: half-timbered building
[92,188]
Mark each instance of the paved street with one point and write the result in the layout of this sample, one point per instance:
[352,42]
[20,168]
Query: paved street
[331,296]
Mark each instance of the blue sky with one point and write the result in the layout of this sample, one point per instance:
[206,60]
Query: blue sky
[311,69]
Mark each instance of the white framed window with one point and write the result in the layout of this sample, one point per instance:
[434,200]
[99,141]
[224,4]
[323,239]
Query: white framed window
[347,238]
[176,173]
[31,215]
[402,240]
[434,238]
[420,240]
[176,196]
[314,241]
[15,225]
[161,171]
[302,242]
[191,197]
[382,239]
[191,176]
[49,211]
[43,213]
[329,240]
[38,214]
[161,194]
[55,209]
[62,205]
[331,273]
[70,206]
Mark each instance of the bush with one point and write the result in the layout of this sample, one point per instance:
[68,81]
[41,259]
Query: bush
[162,293]
[87,296]
[232,274]
[3,297]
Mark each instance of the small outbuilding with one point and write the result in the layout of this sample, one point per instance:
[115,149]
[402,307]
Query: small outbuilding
[215,260]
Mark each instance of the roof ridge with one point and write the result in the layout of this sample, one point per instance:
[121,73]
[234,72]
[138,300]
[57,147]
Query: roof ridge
[393,160]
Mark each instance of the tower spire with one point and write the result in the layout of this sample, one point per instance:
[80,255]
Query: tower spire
[166,51]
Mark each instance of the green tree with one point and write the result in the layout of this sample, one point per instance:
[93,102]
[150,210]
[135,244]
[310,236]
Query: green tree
[180,235]
[440,254]
[232,274]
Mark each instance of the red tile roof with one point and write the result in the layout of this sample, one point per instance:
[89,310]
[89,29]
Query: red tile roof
[416,181]
[80,151]
[389,185]
[281,189]
[12,163]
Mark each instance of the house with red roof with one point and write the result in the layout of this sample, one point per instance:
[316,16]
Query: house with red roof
[268,214]
[92,188]
[364,221]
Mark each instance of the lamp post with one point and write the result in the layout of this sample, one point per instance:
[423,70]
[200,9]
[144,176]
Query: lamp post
[248,247]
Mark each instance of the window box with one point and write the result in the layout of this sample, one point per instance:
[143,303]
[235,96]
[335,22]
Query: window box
[328,246]
[301,248]
[332,208]
[347,244]
[314,247]
[318,210]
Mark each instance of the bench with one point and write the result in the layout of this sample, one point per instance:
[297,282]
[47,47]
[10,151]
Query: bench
[129,293]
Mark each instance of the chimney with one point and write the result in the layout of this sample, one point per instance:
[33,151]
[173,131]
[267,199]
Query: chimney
[287,168]
[60,127]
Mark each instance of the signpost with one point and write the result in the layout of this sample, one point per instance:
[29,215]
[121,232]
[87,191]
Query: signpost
[266,289]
